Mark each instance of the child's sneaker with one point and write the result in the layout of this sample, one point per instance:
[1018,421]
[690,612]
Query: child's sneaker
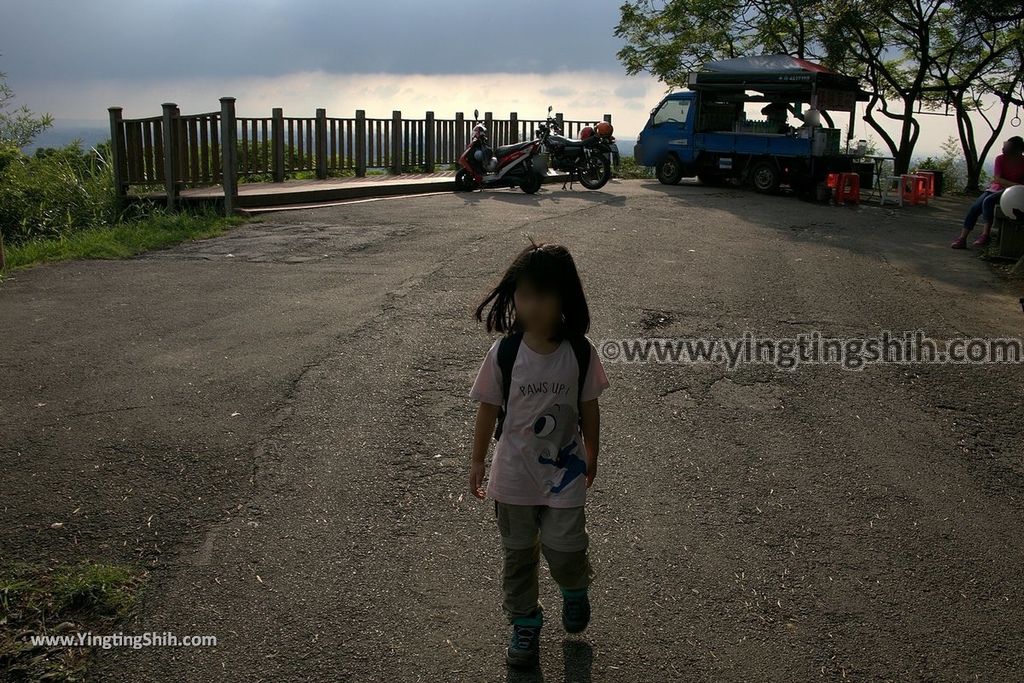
[575,610]
[524,648]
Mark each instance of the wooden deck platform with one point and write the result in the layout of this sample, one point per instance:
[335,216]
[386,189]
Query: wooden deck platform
[304,192]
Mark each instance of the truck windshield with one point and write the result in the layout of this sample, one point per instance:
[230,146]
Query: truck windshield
[672,111]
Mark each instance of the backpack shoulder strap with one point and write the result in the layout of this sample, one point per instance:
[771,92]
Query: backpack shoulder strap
[581,347]
[508,348]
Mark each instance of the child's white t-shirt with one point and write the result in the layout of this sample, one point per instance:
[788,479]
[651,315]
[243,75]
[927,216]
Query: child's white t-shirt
[540,458]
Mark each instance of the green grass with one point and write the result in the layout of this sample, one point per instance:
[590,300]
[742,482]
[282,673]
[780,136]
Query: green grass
[629,169]
[120,240]
[66,599]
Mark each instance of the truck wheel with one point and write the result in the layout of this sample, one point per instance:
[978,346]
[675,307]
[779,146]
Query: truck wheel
[765,177]
[669,170]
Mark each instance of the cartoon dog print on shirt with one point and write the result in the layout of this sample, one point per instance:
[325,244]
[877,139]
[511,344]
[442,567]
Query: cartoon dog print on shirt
[556,431]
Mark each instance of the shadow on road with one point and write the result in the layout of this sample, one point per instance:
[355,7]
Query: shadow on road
[548,195]
[912,239]
[578,659]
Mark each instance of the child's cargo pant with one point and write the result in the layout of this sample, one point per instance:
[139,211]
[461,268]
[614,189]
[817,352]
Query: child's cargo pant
[562,536]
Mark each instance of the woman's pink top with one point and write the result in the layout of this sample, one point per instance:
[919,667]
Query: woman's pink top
[1009,167]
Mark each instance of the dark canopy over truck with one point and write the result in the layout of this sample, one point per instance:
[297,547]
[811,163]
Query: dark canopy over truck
[778,78]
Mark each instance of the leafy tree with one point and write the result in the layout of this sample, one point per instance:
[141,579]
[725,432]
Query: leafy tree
[18,127]
[887,44]
[981,73]
[678,36]
[951,163]
[908,53]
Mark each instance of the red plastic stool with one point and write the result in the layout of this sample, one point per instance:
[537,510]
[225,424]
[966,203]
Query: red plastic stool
[848,188]
[832,179]
[913,189]
[929,178]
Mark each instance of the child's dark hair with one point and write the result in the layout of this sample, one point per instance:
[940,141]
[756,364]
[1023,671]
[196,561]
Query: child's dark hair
[1017,143]
[549,268]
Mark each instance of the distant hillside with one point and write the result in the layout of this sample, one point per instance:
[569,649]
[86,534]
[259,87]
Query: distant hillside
[65,131]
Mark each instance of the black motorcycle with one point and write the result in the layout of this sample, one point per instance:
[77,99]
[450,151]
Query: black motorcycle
[588,160]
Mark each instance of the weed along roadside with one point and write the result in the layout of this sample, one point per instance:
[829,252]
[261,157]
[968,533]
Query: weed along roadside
[44,610]
[119,240]
[60,204]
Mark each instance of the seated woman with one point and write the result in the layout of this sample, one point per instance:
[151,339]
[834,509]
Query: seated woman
[1009,171]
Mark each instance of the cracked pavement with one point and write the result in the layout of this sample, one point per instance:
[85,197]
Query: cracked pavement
[275,423]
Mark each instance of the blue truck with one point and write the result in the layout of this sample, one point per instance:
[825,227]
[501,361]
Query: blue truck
[705,133]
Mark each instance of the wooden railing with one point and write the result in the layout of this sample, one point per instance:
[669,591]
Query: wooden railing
[279,145]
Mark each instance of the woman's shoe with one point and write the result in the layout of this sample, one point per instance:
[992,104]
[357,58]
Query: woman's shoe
[959,243]
[981,241]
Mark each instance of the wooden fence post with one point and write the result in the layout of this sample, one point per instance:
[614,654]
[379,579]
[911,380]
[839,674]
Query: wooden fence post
[229,154]
[513,128]
[170,138]
[396,142]
[489,125]
[277,131]
[321,143]
[608,118]
[460,134]
[360,143]
[117,150]
[429,142]
[560,122]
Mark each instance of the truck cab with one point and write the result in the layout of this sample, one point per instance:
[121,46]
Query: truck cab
[705,131]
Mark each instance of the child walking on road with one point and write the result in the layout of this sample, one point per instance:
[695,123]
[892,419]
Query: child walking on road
[538,388]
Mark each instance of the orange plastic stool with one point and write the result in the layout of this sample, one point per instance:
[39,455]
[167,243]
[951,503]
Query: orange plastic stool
[848,188]
[913,189]
[929,178]
[832,179]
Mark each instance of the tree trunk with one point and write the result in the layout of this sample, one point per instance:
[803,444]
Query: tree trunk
[973,184]
[908,138]
[903,150]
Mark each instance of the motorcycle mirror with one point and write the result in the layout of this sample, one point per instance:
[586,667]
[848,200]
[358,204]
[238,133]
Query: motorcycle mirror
[476,114]
[550,108]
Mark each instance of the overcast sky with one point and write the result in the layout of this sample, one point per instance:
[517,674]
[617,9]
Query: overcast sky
[75,58]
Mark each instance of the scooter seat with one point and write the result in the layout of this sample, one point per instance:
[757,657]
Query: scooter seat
[508,149]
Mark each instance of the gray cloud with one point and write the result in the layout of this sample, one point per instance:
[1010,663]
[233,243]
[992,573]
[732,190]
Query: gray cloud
[630,90]
[133,39]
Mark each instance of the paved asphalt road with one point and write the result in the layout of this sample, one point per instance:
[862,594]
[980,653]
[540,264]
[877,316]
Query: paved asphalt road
[275,421]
